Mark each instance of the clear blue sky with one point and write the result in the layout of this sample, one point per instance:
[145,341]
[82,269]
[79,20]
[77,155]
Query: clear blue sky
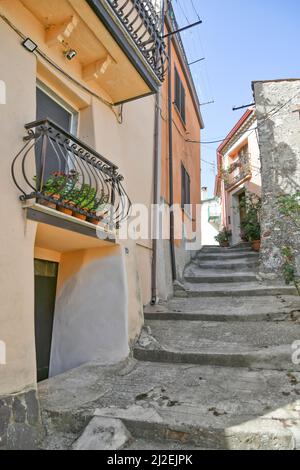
[242,41]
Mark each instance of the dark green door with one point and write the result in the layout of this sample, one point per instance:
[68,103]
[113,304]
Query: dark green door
[45,275]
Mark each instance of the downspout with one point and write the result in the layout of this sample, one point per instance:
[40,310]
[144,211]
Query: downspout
[171,183]
[156,198]
[156,183]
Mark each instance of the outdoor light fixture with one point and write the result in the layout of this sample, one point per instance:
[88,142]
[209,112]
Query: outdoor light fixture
[29,45]
[70,54]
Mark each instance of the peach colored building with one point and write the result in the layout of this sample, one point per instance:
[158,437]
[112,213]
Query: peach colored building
[239,170]
[181,125]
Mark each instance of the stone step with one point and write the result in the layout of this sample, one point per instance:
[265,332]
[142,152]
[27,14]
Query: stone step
[198,276]
[259,345]
[217,249]
[227,265]
[222,309]
[247,256]
[200,406]
[233,290]
[151,444]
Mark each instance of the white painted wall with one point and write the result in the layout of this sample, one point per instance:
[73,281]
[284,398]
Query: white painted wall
[91,319]
[209,230]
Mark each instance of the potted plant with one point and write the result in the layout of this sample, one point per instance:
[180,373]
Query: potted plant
[253,232]
[250,226]
[223,237]
[98,208]
[50,190]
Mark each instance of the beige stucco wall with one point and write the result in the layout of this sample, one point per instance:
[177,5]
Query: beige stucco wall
[18,70]
[129,145]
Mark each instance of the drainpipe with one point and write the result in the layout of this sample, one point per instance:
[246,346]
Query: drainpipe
[157,180]
[171,183]
[156,197]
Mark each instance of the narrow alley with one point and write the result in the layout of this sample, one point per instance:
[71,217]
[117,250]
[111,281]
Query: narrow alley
[212,369]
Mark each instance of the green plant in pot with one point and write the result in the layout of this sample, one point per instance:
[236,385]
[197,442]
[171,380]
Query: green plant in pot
[98,208]
[289,207]
[58,186]
[250,226]
[83,199]
[223,237]
[87,200]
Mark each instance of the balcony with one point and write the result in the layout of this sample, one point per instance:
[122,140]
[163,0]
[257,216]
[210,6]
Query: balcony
[117,47]
[239,170]
[56,170]
[143,21]
[137,27]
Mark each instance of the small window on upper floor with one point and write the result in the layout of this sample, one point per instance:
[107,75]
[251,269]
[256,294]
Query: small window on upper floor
[179,96]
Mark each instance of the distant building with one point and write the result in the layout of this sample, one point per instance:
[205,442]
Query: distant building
[210,218]
[239,170]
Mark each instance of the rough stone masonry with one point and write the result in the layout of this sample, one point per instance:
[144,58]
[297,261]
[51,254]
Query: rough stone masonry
[278,114]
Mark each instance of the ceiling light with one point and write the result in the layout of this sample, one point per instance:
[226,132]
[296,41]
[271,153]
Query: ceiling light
[70,54]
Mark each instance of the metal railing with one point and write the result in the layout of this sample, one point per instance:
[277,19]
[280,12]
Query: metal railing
[243,165]
[144,24]
[57,169]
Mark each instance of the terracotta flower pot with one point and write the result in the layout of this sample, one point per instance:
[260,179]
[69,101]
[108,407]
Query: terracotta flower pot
[224,244]
[79,216]
[65,210]
[93,220]
[51,205]
[256,245]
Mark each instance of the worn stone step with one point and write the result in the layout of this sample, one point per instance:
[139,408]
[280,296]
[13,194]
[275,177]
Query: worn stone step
[233,290]
[197,276]
[226,265]
[260,345]
[247,256]
[152,444]
[203,406]
[216,249]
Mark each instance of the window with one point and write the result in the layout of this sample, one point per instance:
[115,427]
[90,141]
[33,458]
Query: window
[179,96]
[185,188]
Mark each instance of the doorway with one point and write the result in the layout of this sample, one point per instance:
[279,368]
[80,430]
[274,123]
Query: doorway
[45,277]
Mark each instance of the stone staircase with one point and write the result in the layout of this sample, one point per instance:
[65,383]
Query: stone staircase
[223,272]
[212,369]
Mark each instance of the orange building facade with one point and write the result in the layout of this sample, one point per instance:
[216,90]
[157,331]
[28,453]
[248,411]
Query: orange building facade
[180,145]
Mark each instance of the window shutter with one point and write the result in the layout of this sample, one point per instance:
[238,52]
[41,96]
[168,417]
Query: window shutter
[185,187]
[182,107]
[177,89]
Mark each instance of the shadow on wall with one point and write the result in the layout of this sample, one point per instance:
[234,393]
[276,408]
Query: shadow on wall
[91,320]
[280,175]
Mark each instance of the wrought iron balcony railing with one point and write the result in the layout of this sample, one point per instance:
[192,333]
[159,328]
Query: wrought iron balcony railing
[144,24]
[58,170]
